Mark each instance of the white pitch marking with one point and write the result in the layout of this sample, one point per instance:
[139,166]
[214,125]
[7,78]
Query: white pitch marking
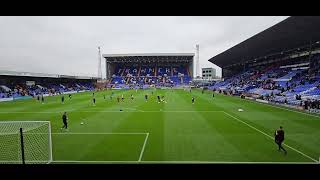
[71,133]
[143,147]
[186,162]
[138,111]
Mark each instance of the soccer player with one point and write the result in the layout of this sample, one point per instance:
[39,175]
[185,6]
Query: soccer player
[38,97]
[94,100]
[279,138]
[202,91]
[62,99]
[118,98]
[159,100]
[104,97]
[64,120]
[131,96]
[192,100]
[42,99]
[122,98]
[146,97]
[212,95]
[151,92]
[70,96]
[163,99]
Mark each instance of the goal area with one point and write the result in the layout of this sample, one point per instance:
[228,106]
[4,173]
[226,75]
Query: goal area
[25,142]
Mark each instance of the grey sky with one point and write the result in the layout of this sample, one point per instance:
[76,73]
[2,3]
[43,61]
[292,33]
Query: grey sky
[68,45]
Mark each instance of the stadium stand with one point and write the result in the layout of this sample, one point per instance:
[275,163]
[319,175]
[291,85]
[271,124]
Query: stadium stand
[149,70]
[276,67]
[17,85]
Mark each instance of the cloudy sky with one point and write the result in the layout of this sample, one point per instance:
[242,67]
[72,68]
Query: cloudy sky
[68,45]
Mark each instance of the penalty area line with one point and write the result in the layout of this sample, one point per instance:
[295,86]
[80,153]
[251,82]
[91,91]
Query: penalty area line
[143,147]
[102,133]
[118,111]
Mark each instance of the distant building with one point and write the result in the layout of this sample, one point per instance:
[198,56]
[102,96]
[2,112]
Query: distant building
[208,73]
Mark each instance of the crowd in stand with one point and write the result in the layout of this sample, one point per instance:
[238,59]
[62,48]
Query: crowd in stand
[293,85]
[145,76]
[10,89]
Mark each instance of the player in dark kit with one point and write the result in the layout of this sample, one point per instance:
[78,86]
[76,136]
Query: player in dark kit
[42,99]
[279,138]
[69,96]
[38,97]
[131,96]
[212,95]
[159,100]
[118,99]
[192,100]
[64,120]
[62,99]
[94,101]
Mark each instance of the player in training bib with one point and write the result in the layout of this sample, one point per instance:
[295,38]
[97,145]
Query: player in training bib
[163,99]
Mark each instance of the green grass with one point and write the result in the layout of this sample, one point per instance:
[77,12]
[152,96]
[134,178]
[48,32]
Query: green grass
[211,130]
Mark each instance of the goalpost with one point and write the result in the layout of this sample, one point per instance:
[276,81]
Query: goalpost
[25,142]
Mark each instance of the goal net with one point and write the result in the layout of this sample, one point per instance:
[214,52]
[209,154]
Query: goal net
[25,142]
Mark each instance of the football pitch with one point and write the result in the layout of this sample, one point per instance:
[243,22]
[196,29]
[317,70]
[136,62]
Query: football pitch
[211,130]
